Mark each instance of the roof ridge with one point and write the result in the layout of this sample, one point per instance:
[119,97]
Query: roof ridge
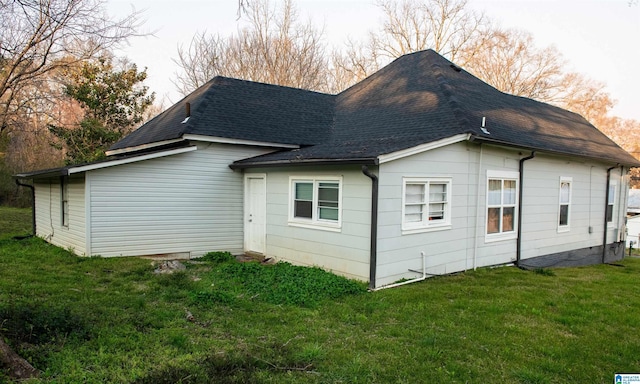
[449,92]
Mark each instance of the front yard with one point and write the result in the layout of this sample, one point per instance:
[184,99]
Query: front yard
[115,320]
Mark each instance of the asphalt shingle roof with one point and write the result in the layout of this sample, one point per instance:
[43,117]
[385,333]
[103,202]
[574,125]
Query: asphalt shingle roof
[418,98]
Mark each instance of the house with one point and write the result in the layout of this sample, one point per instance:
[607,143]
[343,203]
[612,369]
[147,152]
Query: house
[633,218]
[420,169]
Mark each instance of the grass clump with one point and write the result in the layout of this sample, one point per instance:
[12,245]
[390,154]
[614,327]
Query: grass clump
[283,283]
[218,257]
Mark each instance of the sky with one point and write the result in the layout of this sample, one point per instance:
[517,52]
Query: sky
[598,38]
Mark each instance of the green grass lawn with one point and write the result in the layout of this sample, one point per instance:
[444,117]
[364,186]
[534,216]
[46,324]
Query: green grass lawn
[97,320]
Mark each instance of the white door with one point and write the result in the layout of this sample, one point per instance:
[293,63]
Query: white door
[255,213]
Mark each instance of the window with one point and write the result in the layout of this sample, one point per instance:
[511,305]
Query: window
[64,200]
[502,192]
[427,203]
[316,201]
[611,201]
[564,203]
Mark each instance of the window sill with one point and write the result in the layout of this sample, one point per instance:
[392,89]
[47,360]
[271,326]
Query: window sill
[493,238]
[434,228]
[315,225]
[564,229]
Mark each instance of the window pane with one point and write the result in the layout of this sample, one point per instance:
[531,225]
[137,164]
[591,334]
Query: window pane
[414,193]
[437,193]
[507,219]
[303,209]
[612,194]
[564,215]
[436,211]
[304,191]
[609,213]
[565,189]
[328,192]
[509,192]
[413,213]
[493,220]
[495,189]
[328,214]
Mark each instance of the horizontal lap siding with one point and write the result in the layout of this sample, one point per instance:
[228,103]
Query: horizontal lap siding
[345,252]
[187,203]
[541,205]
[446,250]
[49,214]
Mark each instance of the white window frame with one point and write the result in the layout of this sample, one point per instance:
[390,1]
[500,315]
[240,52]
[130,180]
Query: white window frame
[566,227]
[315,222]
[613,188]
[503,176]
[64,201]
[426,224]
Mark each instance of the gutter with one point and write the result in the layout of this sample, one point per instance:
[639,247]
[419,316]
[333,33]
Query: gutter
[606,205]
[285,163]
[33,205]
[373,249]
[520,196]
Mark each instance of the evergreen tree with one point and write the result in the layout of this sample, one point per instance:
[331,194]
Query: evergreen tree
[114,101]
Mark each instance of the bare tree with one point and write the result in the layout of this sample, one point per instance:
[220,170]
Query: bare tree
[446,26]
[510,62]
[275,48]
[37,34]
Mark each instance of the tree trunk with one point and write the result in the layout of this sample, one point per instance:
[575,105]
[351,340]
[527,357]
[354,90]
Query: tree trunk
[18,367]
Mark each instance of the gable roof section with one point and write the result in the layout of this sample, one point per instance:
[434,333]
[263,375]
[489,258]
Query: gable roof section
[422,97]
[241,110]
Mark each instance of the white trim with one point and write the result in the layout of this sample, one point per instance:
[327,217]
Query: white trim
[315,222]
[423,148]
[425,225]
[143,146]
[106,164]
[248,176]
[226,140]
[501,236]
[567,227]
[87,214]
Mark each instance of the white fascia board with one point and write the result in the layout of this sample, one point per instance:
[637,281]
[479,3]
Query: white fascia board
[141,147]
[91,167]
[226,140]
[423,148]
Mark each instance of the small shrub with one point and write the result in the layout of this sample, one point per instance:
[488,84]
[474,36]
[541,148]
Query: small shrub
[218,257]
[283,283]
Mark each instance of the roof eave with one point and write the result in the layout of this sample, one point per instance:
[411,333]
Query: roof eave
[308,162]
[484,139]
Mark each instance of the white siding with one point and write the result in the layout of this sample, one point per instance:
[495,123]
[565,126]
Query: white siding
[540,235]
[464,245]
[186,204]
[345,252]
[49,213]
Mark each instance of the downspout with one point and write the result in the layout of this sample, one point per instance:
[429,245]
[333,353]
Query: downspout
[33,205]
[373,251]
[520,195]
[606,205]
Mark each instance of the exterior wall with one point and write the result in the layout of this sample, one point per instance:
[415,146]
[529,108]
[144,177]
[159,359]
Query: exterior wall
[464,244]
[346,251]
[447,250]
[49,213]
[184,205]
[540,234]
